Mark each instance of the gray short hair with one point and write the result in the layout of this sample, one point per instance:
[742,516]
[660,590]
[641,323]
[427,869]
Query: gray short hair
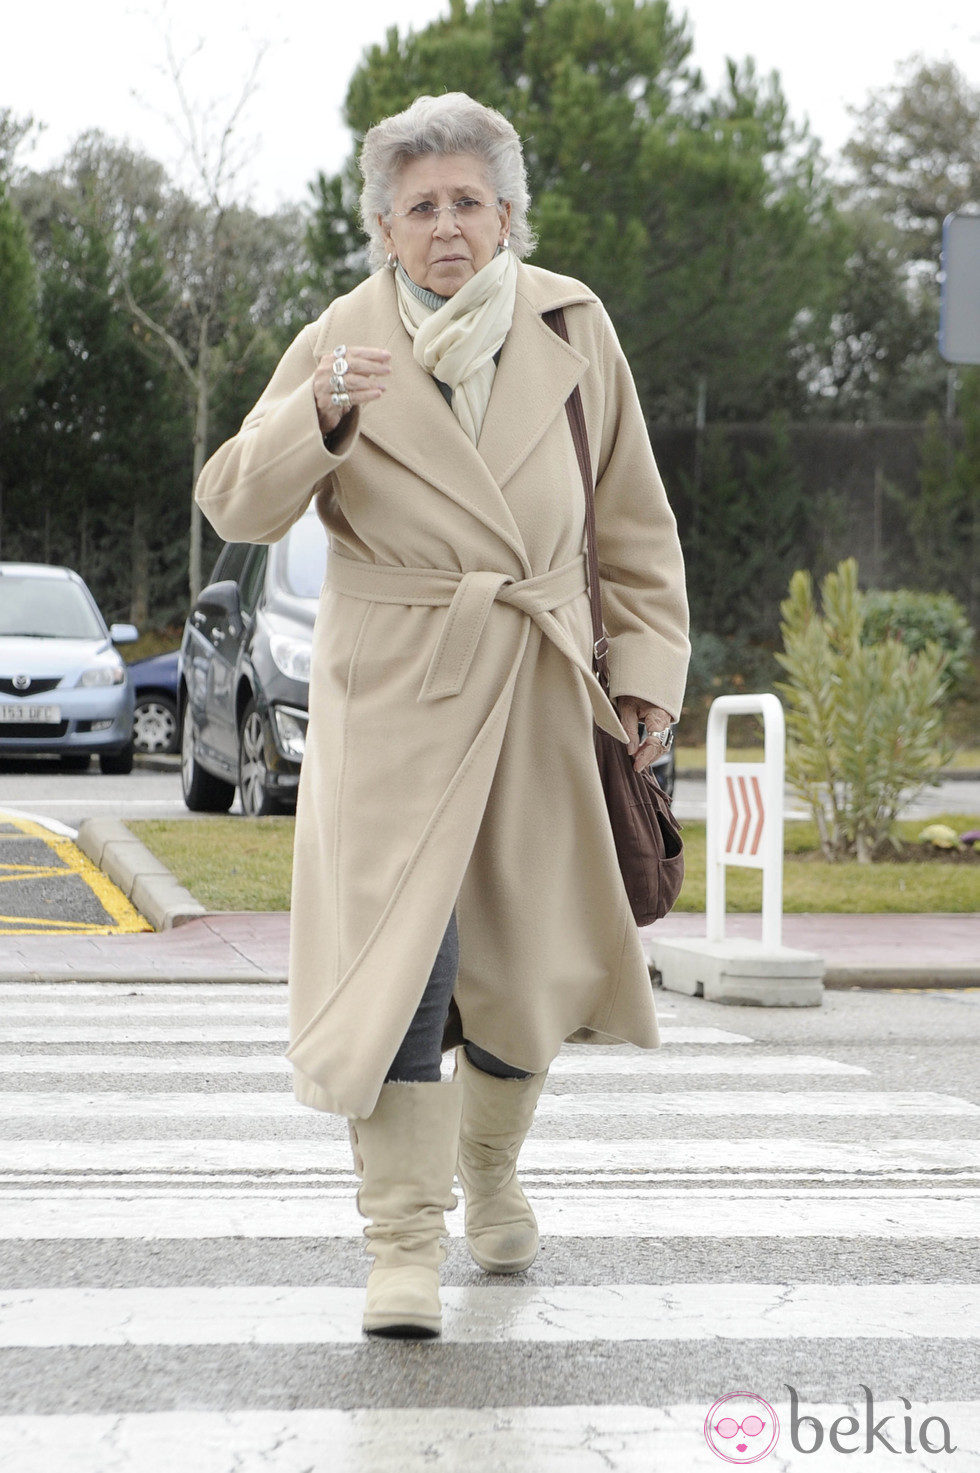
[453,123]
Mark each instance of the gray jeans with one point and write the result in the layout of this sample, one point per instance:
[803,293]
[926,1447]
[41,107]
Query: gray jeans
[419,1058]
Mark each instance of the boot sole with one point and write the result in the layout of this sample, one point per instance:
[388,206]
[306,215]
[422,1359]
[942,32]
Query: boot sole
[399,1329]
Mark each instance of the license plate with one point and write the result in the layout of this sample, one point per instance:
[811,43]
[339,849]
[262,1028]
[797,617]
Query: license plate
[31,715]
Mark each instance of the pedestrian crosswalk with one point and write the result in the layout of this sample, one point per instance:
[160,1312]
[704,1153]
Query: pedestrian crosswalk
[183,1265]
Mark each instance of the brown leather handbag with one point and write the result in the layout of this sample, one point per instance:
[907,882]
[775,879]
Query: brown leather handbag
[647,835]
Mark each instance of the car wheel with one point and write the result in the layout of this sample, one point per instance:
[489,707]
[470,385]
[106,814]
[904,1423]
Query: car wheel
[118,763]
[203,792]
[75,761]
[155,724]
[253,769]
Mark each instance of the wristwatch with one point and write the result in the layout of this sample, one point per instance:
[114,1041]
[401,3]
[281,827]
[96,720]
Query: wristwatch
[665,737]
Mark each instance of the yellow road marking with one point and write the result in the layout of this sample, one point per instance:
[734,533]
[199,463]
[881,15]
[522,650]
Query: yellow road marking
[44,926]
[125,917]
[29,872]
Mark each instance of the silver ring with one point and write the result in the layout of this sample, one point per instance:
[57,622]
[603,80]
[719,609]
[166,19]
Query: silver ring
[342,401]
[665,738]
[340,364]
[337,383]
[340,352]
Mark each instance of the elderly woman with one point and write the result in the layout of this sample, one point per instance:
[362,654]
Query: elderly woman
[456,882]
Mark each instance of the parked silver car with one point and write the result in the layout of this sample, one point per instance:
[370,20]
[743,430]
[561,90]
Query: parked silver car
[64,688]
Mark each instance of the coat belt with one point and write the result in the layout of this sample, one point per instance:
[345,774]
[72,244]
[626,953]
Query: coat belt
[470,597]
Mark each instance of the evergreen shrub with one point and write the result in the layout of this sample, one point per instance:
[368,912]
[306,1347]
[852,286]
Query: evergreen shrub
[864,719]
[917,620]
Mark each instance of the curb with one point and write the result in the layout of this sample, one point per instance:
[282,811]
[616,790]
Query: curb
[846,978]
[142,878]
[892,979]
[866,960]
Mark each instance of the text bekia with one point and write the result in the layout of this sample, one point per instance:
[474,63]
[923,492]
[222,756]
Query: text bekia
[886,1432]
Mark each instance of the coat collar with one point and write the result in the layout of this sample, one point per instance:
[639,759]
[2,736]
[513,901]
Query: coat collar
[412,423]
[536,374]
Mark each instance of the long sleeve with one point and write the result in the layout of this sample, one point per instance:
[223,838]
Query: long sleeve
[258,483]
[641,565]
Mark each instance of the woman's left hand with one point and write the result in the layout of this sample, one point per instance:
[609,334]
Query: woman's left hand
[633,710]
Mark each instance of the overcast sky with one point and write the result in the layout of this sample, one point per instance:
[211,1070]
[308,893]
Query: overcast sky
[96,65]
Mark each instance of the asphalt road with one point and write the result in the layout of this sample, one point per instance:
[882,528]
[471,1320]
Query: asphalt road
[43,789]
[775,1198]
[48,887]
[71,797]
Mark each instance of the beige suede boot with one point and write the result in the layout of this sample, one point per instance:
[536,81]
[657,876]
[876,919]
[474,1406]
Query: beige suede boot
[501,1231]
[405,1155]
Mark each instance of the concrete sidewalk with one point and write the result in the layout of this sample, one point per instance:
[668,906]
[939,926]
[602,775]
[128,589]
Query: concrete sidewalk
[860,951]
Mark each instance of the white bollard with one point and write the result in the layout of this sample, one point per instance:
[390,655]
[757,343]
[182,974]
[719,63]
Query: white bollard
[745,813]
[744,828]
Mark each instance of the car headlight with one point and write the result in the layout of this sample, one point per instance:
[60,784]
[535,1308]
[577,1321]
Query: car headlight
[104,675]
[292,656]
[291,731]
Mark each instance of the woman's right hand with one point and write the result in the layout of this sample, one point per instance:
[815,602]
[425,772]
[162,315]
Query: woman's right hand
[364,381]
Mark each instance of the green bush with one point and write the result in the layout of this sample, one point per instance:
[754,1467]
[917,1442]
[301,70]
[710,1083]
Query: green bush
[917,620]
[864,720]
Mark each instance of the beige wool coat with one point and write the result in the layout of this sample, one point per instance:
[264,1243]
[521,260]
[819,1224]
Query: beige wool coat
[449,758]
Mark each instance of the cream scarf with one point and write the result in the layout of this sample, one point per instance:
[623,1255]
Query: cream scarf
[457,341]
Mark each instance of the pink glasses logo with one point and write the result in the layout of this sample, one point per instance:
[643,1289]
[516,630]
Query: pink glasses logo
[741,1428]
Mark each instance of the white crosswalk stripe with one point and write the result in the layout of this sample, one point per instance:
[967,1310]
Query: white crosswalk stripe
[562,1212]
[654,1065]
[642,1157]
[569,1438]
[274,1032]
[273,1315]
[156,1127]
[276,1105]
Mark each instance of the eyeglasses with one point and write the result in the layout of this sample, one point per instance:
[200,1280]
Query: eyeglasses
[750,1426]
[463,211]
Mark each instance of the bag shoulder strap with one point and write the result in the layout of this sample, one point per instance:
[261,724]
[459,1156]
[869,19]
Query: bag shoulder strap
[576,419]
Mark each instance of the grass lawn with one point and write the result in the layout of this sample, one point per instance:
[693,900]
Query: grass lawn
[226,863]
[245,864]
[811,885]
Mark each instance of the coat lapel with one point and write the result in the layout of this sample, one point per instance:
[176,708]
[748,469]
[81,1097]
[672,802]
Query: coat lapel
[413,423]
[536,373]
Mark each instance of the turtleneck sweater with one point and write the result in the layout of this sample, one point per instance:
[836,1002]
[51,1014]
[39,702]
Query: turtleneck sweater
[432,300]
